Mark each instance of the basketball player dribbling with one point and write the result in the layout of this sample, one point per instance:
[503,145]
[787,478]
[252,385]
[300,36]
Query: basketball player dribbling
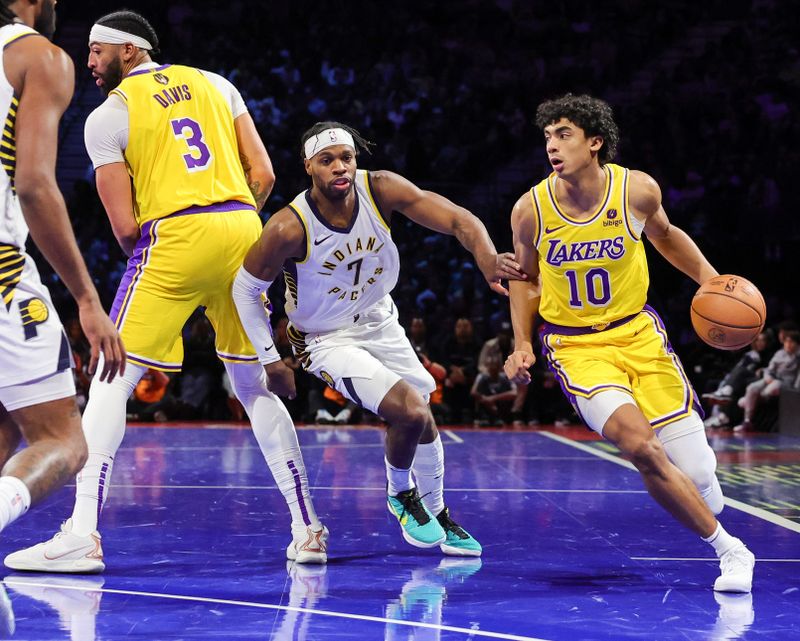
[334,247]
[578,235]
[181,172]
[37,390]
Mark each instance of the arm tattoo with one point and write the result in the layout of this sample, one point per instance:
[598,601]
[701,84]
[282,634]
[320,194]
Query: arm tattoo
[259,194]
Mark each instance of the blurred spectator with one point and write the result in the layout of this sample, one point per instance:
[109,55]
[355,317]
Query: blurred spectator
[147,402]
[494,395]
[498,348]
[733,385]
[460,356]
[782,371]
[81,354]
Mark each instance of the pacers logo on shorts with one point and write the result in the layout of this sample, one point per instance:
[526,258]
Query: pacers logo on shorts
[327,378]
[34,312]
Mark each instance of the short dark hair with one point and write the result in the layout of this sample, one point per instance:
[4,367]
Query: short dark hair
[361,142]
[131,22]
[793,334]
[6,15]
[593,115]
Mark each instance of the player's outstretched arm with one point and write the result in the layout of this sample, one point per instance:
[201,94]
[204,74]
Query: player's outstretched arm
[255,160]
[436,212]
[42,74]
[672,243]
[524,295]
[282,238]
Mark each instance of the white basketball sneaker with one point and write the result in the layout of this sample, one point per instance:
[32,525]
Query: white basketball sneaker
[310,546]
[65,552]
[737,570]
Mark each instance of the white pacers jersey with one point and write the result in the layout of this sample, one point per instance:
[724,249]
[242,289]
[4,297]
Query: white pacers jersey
[345,272]
[32,341]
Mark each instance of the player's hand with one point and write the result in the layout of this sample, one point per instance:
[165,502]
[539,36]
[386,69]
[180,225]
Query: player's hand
[499,267]
[517,365]
[103,338]
[280,379]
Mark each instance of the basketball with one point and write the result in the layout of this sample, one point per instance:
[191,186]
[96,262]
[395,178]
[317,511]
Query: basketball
[728,312]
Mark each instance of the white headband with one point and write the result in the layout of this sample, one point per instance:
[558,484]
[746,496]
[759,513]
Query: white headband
[111,36]
[325,139]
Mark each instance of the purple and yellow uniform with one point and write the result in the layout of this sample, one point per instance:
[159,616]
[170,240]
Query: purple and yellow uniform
[599,333]
[195,211]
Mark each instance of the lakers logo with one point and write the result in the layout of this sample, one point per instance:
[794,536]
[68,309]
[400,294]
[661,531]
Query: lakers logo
[34,312]
[160,77]
[327,378]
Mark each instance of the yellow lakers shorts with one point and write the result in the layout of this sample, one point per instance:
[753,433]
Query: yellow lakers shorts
[180,263]
[634,357]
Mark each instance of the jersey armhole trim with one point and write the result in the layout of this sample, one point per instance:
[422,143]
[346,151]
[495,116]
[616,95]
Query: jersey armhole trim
[537,217]
[118,92]
[630,221]
[19,37]
[381,216]
[306,235]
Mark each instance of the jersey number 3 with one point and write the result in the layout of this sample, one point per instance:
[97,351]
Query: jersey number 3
[199,156]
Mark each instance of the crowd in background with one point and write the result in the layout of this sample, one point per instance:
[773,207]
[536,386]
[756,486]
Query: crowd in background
[447,91]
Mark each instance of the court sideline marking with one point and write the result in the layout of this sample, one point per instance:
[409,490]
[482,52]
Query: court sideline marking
[284,608]
[347,488]
[738,505]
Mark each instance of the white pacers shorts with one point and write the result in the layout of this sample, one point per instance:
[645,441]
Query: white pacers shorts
[33,345]
[364,360]
[50,388]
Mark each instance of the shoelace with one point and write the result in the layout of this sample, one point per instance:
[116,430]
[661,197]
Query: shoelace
[449,525]
[412,504]
[733,561]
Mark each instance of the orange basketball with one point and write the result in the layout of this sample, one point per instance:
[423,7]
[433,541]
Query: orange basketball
[728,312]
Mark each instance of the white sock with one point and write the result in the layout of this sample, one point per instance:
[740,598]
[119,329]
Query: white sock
[291,479]
[15,499]
[721,541]
[399,479]
[91,491]
[277,438]
[104,428]
[428,468]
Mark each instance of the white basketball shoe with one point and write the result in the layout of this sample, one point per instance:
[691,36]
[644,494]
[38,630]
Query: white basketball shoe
[65,552]
[736,566]
[310,546]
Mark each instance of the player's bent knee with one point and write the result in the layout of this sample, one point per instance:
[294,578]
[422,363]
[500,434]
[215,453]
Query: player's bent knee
[417,414]
[647,454]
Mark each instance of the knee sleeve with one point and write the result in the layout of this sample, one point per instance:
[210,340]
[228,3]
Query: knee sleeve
[272,425]
[249,382]
[687,447]
[598,409]
[104,416]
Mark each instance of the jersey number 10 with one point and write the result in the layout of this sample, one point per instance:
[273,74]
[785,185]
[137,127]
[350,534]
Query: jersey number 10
[199,156]
[598,288]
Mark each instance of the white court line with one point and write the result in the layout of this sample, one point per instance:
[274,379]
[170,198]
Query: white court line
[737,505]
[371,489]
[11,581]
[714,560]
[254,448]
[455,437]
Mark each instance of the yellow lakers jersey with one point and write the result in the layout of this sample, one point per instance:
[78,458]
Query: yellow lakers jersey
[182,150]
[594,271]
